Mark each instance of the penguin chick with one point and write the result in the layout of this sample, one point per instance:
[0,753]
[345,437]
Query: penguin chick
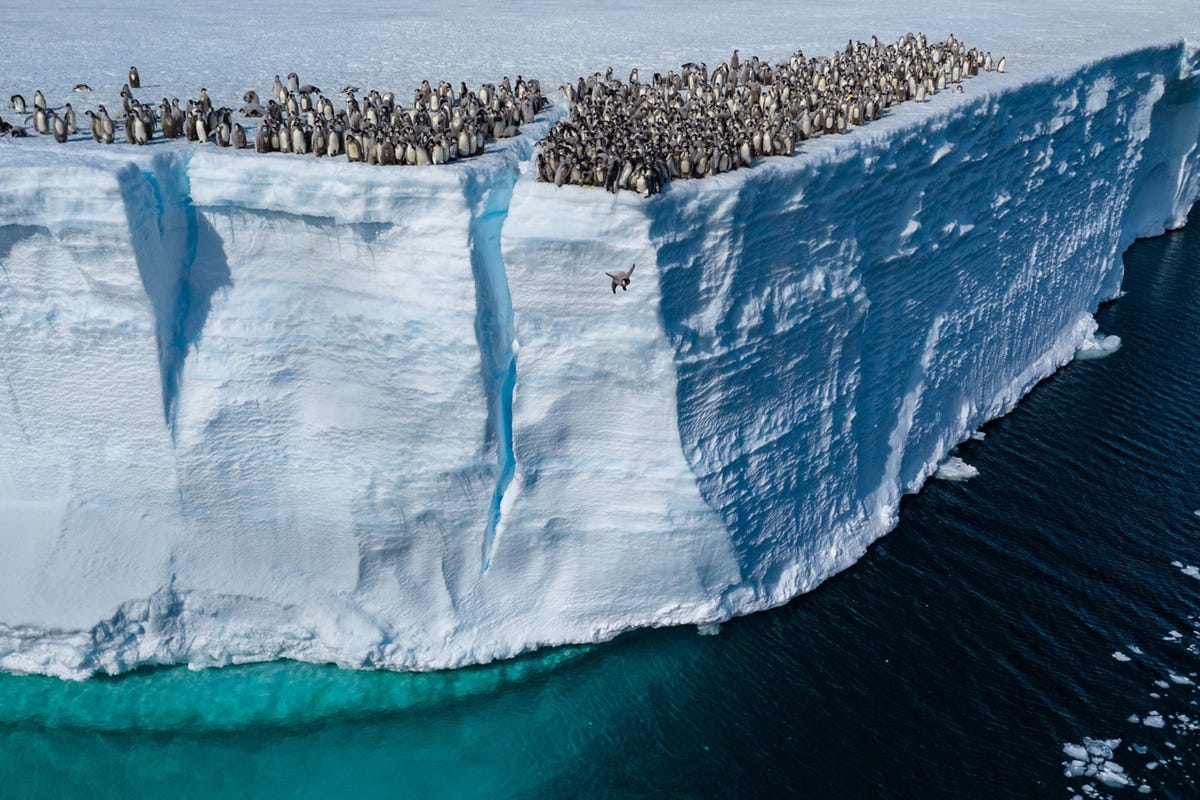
[621,279]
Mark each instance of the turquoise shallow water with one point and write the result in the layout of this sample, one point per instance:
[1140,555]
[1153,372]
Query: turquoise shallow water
[955,660]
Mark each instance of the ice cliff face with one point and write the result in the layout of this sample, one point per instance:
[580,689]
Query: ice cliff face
[259,407]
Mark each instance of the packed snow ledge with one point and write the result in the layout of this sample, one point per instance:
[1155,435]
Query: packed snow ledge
[257,407]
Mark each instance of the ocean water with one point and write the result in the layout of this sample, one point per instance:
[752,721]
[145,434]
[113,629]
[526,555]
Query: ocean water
[1008,623]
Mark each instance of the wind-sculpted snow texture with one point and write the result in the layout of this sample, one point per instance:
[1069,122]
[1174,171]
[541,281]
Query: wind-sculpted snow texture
[253,407]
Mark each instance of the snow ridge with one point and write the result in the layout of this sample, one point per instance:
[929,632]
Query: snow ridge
[408,425]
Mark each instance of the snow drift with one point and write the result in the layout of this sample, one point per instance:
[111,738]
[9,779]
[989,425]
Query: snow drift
[257,407]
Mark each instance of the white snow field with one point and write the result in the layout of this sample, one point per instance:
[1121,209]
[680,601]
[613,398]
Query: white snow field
[257,407]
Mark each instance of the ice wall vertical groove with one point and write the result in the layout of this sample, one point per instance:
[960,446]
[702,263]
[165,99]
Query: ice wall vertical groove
[494,330]
[181,261]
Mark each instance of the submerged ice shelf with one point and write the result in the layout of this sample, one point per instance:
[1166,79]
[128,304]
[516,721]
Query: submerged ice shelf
[256,407]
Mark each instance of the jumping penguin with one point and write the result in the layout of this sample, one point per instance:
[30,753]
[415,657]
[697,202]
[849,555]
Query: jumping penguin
[621,279]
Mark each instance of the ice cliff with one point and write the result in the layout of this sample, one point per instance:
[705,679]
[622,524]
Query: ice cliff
[256,407]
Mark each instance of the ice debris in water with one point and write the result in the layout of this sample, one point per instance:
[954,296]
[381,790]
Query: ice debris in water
[1093,759]
[979,436]
[1153,720]
[708,628]
[1098,346]
[955,469]
[1119,656]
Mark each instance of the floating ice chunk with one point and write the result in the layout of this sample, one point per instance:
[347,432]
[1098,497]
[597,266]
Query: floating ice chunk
[1075,751]
[1197,512]
[1112,774]
[1098,346]
[1154,720]
[1119,656]
[1191,571]
[1134,718]
[1182,680]
[1101,748]
[1162,684]
[979,436]
[955,469]
[1133,648]
[1140,749]
[708,628]
[1151,765]
[1144,789]
[1173,634]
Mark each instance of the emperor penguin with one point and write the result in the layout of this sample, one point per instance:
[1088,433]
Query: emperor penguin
[18,103]
[135,82]
[169,125]
[621,278]
[262,138]
[95,122]
[39,100]
[238,139]
[140,134]
[41,121]
[108,128]
[60,127]
[252,107]
[354,148]
[1001,64]
[69,119]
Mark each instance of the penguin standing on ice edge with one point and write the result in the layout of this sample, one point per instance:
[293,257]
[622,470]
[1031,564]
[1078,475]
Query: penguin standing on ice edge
[621,278]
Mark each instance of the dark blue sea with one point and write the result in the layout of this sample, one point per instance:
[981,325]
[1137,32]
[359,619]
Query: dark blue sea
[1039,620]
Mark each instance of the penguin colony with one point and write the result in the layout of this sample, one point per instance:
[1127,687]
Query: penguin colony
[694,124]
[443,123]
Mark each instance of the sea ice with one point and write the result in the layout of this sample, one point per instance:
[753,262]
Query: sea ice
[1097,346]
[955,469]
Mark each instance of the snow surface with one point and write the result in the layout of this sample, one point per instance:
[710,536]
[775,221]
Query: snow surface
[257,407]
